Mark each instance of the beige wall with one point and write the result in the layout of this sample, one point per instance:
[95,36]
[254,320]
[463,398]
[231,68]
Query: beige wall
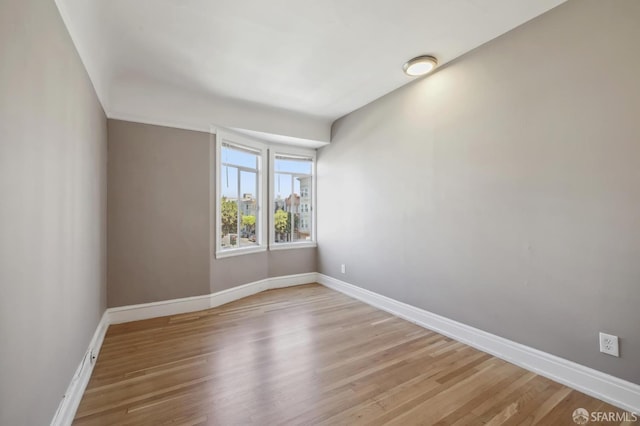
[233,271]
[159,221]
[503,191]
[53,140]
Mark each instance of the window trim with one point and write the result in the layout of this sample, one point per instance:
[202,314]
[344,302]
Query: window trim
[231,138]
[291,151]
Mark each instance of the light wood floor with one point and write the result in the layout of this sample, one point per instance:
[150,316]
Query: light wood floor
[309,355]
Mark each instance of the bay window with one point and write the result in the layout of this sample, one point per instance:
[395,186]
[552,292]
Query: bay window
[249,218]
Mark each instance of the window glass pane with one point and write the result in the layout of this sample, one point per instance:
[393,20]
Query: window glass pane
[229,182]
[281,221]
[295,210]
[293,165]
[229,223]
[281,224]
[239,157]
[282,186]
[248,209]
[305,222]
[229,207]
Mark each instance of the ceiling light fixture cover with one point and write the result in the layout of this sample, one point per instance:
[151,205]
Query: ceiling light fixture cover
[420,65]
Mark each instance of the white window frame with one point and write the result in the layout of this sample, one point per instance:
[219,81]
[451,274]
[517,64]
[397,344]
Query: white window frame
[290,151]
[231,138]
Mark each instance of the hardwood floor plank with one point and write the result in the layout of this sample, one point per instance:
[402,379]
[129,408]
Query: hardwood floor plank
[309,355]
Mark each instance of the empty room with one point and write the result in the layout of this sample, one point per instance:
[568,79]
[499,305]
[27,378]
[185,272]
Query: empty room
[410,212]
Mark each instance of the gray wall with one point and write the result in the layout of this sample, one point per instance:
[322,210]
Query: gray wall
[158,209]
[503,191]
[53,136]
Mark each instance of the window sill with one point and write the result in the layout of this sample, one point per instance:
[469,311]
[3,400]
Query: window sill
[221,254]
[289,246]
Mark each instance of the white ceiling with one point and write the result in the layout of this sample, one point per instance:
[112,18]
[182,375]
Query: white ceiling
[314,60]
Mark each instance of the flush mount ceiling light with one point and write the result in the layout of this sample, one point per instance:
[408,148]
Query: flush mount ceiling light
[420,65]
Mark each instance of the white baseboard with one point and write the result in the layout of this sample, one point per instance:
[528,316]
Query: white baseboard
[69,405]
[157,309]
[199,303]
[613,390]
[71,399]
[293,280]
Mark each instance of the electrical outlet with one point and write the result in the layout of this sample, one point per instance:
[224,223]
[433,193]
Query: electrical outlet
[609,344]
[343,268]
